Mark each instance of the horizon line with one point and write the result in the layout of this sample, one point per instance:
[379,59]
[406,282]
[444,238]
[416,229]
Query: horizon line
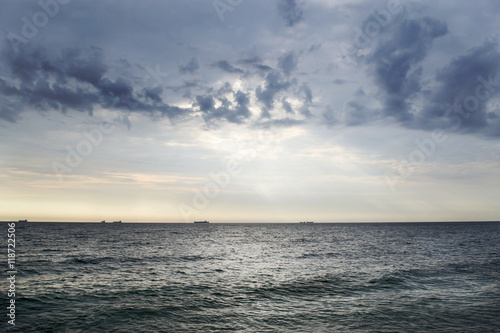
[255,222]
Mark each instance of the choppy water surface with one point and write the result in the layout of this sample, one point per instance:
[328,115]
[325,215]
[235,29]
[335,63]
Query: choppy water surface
[258,277]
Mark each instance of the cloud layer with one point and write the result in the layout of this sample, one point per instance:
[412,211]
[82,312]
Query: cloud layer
[279,85]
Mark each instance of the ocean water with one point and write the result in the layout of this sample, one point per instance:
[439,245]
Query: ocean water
[417,277]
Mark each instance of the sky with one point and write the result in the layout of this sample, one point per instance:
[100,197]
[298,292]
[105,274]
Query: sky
[249,111]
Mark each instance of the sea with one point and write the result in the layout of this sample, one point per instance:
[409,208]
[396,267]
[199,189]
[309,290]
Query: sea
[316,277]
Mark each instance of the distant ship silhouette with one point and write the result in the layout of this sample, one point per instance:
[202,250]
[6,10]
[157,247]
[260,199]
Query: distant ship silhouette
[201,222]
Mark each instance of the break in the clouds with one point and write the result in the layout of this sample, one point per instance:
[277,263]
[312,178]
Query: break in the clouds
[334,81]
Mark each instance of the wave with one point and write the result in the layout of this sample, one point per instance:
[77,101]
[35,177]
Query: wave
[318,255]
[88,260]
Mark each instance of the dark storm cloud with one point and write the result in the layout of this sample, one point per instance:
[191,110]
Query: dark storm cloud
[394,63]
[288,63]
[290,12]
[76,79]
[190,67]
[227,67]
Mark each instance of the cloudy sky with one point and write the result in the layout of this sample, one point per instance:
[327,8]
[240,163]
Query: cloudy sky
[239,110]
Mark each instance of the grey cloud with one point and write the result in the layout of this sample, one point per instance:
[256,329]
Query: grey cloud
[263,68]
[290,12]
[360,93]
[227,67]
[187,85]
[206,103]
[340,81]
[8,113]
[315,47]
[274,83]
[286,105]
[242,100]
[288,62]
[251,61]
[282,122]
[256,62]
[395,60]
[329,116]
[395,63]
[356,113]
[154,94]
[235,113]
[307,98]
[307,93]
[124,63]
[190,67]
[304,110]
[74,80]
[458,82]
[80,80]
[225,89]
